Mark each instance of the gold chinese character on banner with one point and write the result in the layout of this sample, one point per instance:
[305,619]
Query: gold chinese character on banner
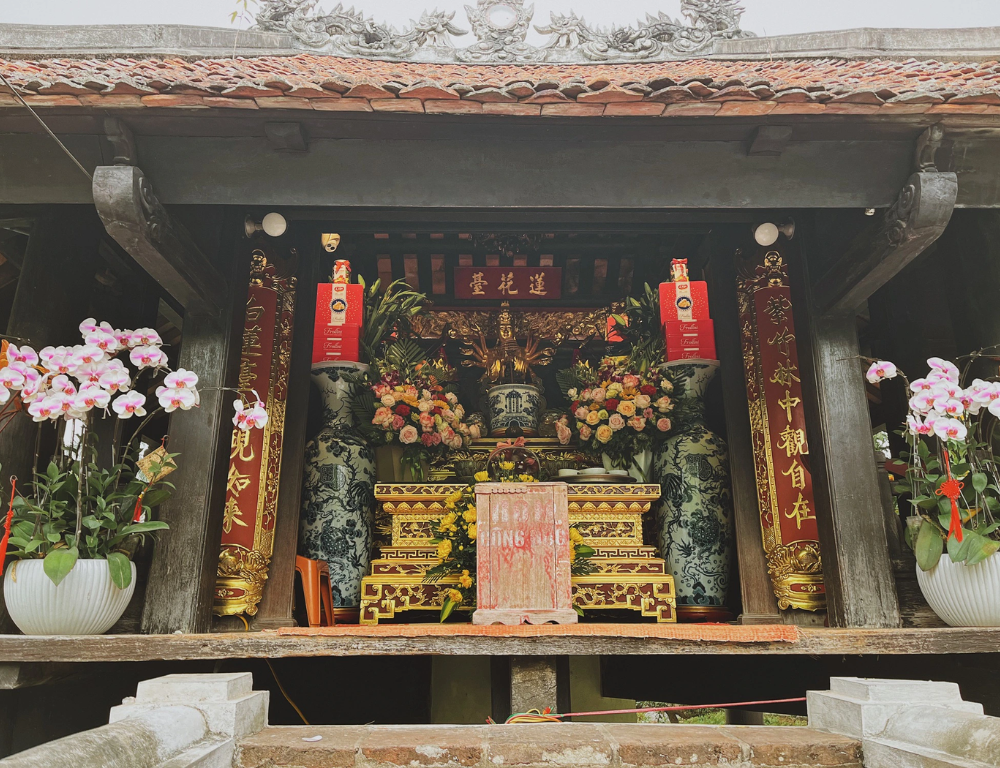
[788,403]
[782,339]
[792,441]
[777,309]
[477,284]
[800,511]
[507,284]
[796,474]
[784,374]
[242,450]
[255,310]
[232,514]
[537,284]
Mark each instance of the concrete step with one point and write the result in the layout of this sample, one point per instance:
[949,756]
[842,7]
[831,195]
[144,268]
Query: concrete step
[580,745]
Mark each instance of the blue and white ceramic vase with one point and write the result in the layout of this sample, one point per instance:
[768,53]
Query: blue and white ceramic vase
[514,405]
[338,490]
[694,515]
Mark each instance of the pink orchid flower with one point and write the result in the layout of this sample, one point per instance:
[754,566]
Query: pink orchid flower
[950,429]
[916,426]
[171,399]
[148,357]
[923,402]
[115,380]
[88,326]
[91,397]
[130,404]
[11,378]
[43,409]
[144,337]
[181,379]
[24,354]
[86,355]
[949,369]
[949,407]
[103,340]
[62,384]
[4,394]
[881,370]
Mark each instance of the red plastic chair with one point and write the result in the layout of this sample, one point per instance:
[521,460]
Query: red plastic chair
[315,576]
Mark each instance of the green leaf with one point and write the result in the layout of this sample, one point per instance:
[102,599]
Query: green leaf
[59,562]
[446,609]
[944,504]
[926,503]
[960,470]
[121,569]
[988,548]
[929,546]
[156,497]
[923,450]
[152,525]
[958,551]
[979,482]
[578,610]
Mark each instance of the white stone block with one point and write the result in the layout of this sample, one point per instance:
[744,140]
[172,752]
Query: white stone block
[912,691]
[185,689]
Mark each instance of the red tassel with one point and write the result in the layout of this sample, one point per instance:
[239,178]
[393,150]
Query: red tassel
[952,489]
[137,514]
[10,519]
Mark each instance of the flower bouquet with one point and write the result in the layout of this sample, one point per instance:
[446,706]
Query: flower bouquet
[619,410]
[952,476]
[412,405]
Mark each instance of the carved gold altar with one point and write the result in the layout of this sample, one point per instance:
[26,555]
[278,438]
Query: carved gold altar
[628,575]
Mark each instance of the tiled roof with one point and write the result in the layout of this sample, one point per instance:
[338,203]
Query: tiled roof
[694,87]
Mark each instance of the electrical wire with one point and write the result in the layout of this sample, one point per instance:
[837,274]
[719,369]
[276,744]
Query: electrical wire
[547,716]
[48,130]
[274,674]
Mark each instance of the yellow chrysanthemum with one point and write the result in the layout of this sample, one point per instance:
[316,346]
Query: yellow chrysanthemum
[453,498]
[455,596]
[575,536]
[482,477]
[572,554]
[506,466]
[448,519]
[444,549]
[469,515]
[526,478]
[472,531]
[465,580]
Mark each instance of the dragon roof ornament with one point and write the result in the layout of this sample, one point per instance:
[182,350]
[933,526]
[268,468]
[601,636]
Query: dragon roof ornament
[501,29]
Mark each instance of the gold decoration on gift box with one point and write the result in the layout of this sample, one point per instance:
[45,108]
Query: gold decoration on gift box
[628,574]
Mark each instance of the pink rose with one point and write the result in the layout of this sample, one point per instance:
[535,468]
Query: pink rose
[564,433]
[648,413]
[581,413]
[382,416]
[430,438]
[585,432]
[663,424]
[427,421]
[598,394]
[408,434]
[630,381]
[398,422]
[616,422]
[474,431]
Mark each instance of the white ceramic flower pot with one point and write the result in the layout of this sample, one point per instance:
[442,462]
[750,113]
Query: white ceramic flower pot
[86,602]
[963,596]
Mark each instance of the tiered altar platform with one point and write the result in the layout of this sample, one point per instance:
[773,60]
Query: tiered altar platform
[627,574]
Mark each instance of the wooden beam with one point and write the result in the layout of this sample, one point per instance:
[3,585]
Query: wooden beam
[379,642]
[185,558]
[769,140]
[134,217]
[857,572]
[917,218]
[759,603]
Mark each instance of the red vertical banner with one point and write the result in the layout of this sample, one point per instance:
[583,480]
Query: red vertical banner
[780,443]
[255,456]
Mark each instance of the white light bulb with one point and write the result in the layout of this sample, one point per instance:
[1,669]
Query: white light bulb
[766,234]
[274,224]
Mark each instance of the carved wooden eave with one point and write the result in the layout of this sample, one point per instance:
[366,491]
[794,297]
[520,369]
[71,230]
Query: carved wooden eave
[917,218]
[137,221]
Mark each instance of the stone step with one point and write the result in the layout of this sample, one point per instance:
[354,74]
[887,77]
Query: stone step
[580,745]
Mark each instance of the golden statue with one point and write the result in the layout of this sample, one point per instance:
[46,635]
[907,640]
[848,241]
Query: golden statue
[507,362]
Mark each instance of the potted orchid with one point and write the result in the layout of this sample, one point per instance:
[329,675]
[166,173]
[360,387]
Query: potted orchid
[618,411]
[954,488]
[72,531]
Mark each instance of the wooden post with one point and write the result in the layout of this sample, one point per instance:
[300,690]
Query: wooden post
[759,603]
[185,558]
[860,588]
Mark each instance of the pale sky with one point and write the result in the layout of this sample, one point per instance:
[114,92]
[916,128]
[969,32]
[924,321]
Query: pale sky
[772,17]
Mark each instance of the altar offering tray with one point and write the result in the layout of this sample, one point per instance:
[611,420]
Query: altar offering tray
[594,479]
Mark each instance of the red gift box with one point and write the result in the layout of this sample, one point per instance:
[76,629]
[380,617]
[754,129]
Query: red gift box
[339,304]
[704,352]
[336,342]
[676,329]
[684,301]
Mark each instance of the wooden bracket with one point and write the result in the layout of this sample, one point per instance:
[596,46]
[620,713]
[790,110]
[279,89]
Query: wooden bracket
[121,138]
[134,217]
[917,218]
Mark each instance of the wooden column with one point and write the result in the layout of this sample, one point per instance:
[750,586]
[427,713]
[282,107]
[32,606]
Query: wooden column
[185,558]
[857,572]
[759,603]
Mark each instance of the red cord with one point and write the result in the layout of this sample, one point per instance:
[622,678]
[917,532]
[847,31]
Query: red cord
[952,489]
[10,519]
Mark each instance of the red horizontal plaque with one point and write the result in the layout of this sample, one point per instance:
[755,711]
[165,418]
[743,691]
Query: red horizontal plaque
[508,282]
